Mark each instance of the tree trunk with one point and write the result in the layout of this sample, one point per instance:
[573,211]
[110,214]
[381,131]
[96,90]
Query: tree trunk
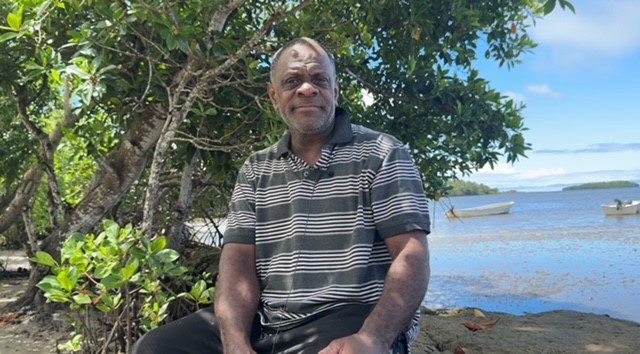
[180,104]
[185,200]
[23,196]
[28,297]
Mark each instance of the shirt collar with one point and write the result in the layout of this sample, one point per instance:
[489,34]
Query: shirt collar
[341,133]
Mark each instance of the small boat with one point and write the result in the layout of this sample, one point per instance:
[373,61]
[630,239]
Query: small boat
[630,207]
[483,210]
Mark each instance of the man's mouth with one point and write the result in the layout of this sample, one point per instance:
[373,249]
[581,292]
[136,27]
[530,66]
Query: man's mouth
[306,107]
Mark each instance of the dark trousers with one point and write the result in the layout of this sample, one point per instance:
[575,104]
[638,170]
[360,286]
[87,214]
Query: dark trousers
[199,333]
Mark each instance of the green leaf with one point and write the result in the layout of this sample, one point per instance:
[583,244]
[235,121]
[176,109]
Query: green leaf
[177,271]
[107,300]
[57,296]
[9,35]
[72,69]
[158,244]
[72,274]
[126,231]
[167,255]
[130,269]
[14,21]
[110,302]
[138,253]
[79,260]
[65,282]
[48,283]
[198,288]
[566,4]
[82,299]
[45,259]
[103,308]
[549,6]
[210,294]
[103,270]
[117,301]
[113,281]
[111,228]
[56,76]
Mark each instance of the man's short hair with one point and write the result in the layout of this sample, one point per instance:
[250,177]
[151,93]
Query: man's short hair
[303,41]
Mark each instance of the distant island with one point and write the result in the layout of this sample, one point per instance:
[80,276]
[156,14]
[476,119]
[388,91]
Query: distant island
[602,185]
[460,188]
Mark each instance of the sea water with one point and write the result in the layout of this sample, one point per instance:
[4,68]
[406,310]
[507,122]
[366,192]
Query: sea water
[554,250]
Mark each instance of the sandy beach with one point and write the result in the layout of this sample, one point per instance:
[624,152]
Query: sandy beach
[443,331]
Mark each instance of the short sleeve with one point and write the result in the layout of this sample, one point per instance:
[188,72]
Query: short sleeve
[398,199]
[242,215]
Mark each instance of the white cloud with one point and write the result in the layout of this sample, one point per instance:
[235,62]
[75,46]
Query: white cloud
[506,170]
[543,90]
[508,177]
[609,28]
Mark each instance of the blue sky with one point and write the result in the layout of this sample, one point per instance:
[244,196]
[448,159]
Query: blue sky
[581,87]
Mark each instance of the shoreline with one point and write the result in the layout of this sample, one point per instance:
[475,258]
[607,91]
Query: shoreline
[558,331]
[442,331]
[553,251]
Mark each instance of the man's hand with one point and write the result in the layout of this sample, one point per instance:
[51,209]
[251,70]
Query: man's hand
[356,344]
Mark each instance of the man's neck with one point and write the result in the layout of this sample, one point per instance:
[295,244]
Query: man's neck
[309,148]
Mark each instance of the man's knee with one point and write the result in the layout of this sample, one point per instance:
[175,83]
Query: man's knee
[195,333]
[147,344]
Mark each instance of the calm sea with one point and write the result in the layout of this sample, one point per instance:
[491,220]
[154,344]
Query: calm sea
[555,250]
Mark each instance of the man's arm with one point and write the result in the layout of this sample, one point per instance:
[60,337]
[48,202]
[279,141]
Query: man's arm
[237,296]
[404,289]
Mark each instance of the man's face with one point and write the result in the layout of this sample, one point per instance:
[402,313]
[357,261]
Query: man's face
[304,90]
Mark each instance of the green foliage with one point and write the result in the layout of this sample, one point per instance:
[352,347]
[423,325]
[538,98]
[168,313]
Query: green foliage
[458,188]
[15,146]
[120,63]
[117,275]
[602,185]
[416,59]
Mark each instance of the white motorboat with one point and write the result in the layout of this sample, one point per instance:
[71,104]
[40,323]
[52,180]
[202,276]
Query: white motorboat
[630,207]
[483,210]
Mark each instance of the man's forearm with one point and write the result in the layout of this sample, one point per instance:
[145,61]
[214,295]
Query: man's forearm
[404,289]
[237,296]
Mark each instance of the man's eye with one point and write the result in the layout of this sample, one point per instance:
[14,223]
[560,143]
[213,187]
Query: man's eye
[291,81]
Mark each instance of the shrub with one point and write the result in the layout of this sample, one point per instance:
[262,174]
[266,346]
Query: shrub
[114,285]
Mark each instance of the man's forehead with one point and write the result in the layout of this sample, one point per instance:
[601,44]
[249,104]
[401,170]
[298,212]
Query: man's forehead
[304,53]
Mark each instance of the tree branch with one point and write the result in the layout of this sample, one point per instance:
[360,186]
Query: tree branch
[176,116]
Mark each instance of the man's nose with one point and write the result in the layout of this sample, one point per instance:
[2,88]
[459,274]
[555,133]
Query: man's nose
[307,89]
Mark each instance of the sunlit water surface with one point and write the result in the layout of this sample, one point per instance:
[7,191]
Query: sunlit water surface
[555,250]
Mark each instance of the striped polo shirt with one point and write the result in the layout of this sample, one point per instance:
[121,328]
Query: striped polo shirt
[319,231]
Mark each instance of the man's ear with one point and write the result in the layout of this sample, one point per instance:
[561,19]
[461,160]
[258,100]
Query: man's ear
[272,95]
[337,91]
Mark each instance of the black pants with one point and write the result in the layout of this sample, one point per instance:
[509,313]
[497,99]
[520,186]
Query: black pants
[198,333]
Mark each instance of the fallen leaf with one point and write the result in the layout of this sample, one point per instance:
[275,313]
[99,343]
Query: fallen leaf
[479,326]
[458,350]
[9,318]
